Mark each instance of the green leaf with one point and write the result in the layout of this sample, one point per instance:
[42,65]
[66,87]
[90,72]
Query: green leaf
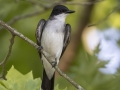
[17,81]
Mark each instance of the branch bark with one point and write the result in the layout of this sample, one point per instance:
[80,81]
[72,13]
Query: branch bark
[16,33]
[3,63]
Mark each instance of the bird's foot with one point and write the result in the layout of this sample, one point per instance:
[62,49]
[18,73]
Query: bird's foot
[54,63]
[40,48]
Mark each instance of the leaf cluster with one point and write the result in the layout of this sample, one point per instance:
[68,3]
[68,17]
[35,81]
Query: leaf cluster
[17,81]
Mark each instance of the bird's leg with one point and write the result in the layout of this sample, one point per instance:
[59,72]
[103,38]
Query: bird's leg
[54,63]
[40,48]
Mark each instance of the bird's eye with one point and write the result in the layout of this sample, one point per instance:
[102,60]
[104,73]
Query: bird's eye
[60,10]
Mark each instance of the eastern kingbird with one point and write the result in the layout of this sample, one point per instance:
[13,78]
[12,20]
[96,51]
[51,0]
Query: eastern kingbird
[53,36]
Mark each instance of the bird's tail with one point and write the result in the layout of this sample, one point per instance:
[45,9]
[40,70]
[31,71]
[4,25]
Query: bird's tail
[46,83]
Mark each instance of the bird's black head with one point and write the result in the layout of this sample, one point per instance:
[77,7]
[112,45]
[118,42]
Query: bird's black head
[59,9]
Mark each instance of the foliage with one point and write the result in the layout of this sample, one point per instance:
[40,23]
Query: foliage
[17,81]
[85,71]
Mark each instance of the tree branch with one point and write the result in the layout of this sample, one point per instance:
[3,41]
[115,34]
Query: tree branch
[20,17]
[3,63]
[16,33]
[45,8]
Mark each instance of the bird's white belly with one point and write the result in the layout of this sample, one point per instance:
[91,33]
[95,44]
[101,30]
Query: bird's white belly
[52,43]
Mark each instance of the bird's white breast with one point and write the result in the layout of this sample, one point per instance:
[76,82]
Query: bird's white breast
[52,38]
[52,43]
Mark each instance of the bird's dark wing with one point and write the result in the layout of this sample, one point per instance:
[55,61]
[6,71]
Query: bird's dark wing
[39,31]
[67,35]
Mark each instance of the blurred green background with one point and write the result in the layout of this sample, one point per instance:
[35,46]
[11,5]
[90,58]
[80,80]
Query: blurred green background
[83,66]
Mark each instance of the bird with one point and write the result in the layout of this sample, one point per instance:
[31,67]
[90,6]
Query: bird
[53,36]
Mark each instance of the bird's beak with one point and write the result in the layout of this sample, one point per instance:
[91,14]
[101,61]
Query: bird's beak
[70,11]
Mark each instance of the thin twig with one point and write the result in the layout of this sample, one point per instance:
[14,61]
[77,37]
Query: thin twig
[36,3]
[3,63]
[68,3]
[15,32]
[45,8]
[20,17]
[106,17]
